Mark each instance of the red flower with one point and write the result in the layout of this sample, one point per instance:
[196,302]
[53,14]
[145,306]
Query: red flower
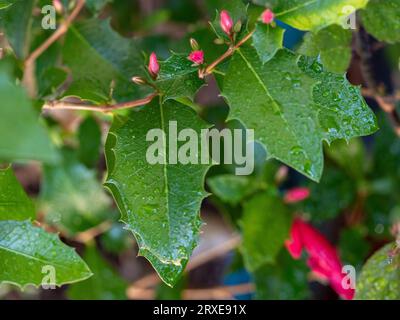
[154,67]
[323,259]
[296,195]
[226,22]
[267,16]
[197,57]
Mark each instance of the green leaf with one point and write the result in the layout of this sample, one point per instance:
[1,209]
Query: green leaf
[26,253]
[14,203]
[333,44]
[354,248]
[265,226]
[71,196]
[106,62]
[96,5]
[105,284]
[380,276]
[293,105]
[350,156]
[287,280]
[89,135]
[329,198]
[315,14]
[16,22]
[21,135]
[382,20]
[163,214]
[178,78]
[232,189]
[5,4]
[267,40]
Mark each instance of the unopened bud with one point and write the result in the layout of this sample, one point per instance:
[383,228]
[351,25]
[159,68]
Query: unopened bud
[219,41]
[297,195]
[138,80]
[58,6]
[226,22]
[194,44]
[154,67]
[237,27]
[197,57]
[268,16]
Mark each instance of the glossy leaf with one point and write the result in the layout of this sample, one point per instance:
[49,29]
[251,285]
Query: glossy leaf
[14,203]
[315,14]
[267,40]
[333,45]
[380,276]
[106,62]
[178,78]
[22,137]
[293,105]
[16,22]
[162,214]
[265,226]
[28,254]
[382,20]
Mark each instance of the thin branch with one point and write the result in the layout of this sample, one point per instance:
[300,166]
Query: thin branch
[88,235]
[202,258]
[62,29]
[231,50]
[62,105]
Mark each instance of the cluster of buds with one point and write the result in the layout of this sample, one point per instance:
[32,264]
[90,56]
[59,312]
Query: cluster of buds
[197,55]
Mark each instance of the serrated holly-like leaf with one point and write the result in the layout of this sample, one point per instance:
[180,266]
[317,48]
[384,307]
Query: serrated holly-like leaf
[21,135]
[16,22]
[382,20]
[28,254]
[333,44]
[178,78]
[267,40]
[14,203]
[265,226]
[106,62]
[293,105]
[72,197]
[159,203]
[105,284]
[314,14]
[380,276]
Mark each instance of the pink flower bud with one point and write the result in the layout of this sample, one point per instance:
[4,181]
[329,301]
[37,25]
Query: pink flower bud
[154,67]
[297,195]
[267,16]
[197,57]
[226,22]
[58,6]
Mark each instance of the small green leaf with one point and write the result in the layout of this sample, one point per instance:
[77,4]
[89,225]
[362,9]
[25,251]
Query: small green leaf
[333,45]
[178,78]
[382,20]
[21,135]
[267,40]
[5,4]
[71,196]
[232,189]
[14,203]
[265,226]
[28,254]
[293,105]
[105,284]
[164,214]
[380,276]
